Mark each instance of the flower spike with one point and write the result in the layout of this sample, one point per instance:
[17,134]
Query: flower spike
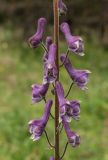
[36,39]
[36,127]
[65,110]
[75,43]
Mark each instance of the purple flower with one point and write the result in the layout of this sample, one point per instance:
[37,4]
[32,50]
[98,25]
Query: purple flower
[48,43]
[75,43]
[68,109]
[39,92]
[51,158]
[36,39]
[62,7]
[50,69]
[36,127]
[73,138]
[80,77]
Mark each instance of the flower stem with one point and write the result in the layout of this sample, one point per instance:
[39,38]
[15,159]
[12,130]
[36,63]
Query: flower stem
[69,89]
[52,116]
[67,53]
[56,41]
[64,151]
[43,46]
[52,146]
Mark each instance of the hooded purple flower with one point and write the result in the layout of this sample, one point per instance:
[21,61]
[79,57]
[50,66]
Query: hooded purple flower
[36,39]
[73,138]
[36,127]
[75,43]
[68,109]
[39,92]
[51,158]
[50,69]
[48,43]
[80,77]
[62,7]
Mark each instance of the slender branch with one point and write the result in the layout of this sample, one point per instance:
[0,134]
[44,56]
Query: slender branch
[43,46]
[69,89]
[67,53]
[52,146]
[64,151]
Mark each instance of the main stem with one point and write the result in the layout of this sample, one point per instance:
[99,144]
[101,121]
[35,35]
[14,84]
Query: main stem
[56,41]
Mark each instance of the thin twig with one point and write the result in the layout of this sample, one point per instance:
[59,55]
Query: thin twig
[69,89]
[64,151]
[52,146]
[43,46]
[67,53]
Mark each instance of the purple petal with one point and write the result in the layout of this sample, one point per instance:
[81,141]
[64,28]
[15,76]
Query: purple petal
[75,43]
[62,7]
[50,69]
[48,43]
[39,92]
[80,77]
[73,138]
[36,127]
[36,39]
[51,158]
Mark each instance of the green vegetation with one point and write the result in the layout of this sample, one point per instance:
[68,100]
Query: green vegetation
[20,67]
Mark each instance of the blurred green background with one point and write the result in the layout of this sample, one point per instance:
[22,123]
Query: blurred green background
[20,67]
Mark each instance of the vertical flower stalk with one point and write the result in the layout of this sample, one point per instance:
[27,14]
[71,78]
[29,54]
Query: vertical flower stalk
[65,110]
[56,41]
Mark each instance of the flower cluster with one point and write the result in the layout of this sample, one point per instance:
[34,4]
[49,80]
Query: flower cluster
[68,109]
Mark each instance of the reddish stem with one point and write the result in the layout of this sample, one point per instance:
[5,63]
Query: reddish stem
[56,41]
